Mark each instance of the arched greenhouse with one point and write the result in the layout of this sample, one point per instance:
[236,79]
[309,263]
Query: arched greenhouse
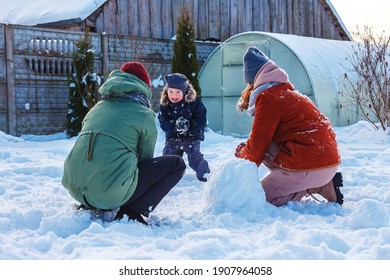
[315,66]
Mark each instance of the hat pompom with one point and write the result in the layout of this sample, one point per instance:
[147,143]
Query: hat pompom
[254,59]
[137,69]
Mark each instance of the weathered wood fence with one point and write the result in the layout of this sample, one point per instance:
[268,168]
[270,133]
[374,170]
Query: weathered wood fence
[35,63]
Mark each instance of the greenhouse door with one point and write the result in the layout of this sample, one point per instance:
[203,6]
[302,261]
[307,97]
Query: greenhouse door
[232,84]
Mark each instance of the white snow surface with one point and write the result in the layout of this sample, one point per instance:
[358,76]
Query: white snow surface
[224,218]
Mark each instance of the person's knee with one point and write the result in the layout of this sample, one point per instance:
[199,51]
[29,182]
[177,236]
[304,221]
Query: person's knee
[178,163]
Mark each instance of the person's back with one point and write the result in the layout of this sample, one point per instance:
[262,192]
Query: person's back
[289,135]
[302,131]
[101,169]
[111,166]
[126,122]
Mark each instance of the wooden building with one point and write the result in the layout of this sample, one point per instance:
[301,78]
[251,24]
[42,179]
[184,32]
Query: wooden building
[215,20]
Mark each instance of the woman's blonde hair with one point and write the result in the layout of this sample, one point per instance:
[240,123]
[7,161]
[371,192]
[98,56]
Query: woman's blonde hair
[243,103]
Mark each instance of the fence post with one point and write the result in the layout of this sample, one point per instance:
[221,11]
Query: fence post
[105,55]
[10,79]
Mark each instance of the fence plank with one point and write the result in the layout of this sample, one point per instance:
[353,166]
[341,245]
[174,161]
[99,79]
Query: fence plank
[317,19]
[234,16]
[193,8]
[203,19]
[309,16]
[266,15]
[167,19]
[214,20]
[224,8]
[248,15]
[122,17]
[109,19]
[144,18]
[10,78]
[283,24]
[241,16]
[155,19]
[290,17]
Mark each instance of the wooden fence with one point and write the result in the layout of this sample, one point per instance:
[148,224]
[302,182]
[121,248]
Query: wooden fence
[35,63]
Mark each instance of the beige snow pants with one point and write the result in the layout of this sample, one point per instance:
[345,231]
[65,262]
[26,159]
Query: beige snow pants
[282,186]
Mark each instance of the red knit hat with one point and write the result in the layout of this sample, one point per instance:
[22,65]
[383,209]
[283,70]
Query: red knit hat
[137,69]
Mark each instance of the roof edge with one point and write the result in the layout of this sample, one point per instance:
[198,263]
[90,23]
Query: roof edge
[61,22]
[336,19]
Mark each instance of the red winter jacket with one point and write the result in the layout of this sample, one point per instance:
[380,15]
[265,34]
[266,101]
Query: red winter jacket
[292,121]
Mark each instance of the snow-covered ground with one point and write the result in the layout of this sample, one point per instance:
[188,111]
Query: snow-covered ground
[225,218]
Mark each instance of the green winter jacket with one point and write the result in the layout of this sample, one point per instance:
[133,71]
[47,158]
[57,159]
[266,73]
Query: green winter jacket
[101,169]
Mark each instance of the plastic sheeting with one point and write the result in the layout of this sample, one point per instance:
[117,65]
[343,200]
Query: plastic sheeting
[315,66]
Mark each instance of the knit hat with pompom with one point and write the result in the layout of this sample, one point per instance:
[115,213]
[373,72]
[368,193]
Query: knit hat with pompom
[254,59]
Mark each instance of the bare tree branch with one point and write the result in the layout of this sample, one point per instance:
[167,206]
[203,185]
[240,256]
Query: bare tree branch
[369,77]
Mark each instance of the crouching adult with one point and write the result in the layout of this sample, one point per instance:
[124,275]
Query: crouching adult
[289,135]
[111,167]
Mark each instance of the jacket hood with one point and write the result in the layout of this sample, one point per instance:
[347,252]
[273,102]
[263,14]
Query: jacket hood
[188,97]
[119,82]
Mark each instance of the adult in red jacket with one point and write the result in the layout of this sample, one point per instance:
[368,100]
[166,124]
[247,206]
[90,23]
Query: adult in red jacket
[289,135]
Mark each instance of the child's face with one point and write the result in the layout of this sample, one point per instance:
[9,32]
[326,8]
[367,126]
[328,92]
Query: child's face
[175,95]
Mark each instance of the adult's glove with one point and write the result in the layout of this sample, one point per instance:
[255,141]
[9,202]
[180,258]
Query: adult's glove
[239,148]
[182,125]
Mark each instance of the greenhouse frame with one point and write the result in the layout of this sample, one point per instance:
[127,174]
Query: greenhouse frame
[316,67]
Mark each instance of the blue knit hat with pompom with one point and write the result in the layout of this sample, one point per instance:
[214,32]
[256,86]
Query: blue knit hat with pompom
[254,59]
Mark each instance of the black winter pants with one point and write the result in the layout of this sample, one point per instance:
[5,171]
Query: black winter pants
[156,177]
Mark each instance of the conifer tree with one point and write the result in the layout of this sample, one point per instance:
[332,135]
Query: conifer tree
[83,85]
[185,59]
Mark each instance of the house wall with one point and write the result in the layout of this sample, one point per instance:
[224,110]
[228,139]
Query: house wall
[217,19]
[35,63]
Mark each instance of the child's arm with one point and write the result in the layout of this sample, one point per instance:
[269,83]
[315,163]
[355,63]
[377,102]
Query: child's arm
[199,116]
[167,125]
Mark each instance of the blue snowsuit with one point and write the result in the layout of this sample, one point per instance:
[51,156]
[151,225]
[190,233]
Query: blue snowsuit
[192,109]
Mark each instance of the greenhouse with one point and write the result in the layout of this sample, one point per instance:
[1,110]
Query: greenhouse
[316,67]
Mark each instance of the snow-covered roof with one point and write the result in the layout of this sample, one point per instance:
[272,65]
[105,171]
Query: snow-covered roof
[34,12]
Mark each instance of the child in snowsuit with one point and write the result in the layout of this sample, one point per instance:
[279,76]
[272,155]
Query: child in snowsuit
[182,117]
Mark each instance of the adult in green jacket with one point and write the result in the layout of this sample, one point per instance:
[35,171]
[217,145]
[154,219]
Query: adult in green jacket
[111,165]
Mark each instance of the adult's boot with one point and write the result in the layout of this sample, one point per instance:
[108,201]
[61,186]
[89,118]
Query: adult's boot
[331,191]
